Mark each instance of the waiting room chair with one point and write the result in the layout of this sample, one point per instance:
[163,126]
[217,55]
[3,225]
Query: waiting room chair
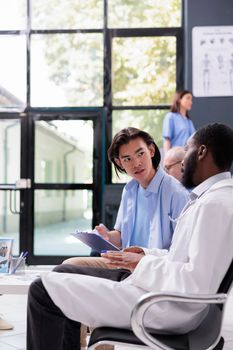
[206,336]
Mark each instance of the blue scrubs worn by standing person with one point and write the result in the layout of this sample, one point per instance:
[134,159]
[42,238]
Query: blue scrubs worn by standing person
[177,125]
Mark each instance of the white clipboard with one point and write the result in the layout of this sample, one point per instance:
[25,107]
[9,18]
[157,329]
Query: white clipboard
[94,240]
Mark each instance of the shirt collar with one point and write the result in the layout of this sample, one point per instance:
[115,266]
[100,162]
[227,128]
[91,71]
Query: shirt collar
[205,185]
[153,186]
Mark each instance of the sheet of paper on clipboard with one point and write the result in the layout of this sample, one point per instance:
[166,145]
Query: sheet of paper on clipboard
[94,240]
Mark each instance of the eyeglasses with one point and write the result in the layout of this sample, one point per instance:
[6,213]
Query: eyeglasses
[167,168]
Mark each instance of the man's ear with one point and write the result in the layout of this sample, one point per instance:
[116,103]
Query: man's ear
[202,151]
[152,150]
[118,162]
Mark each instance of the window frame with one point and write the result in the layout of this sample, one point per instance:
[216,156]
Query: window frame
[103,132]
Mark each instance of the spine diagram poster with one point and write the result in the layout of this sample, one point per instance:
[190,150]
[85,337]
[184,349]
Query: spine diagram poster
[212,61]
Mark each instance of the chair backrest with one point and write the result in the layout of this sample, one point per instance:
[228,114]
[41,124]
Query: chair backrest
[206,333]
[227,280]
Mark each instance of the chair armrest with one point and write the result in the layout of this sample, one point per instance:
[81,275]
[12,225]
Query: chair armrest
[147,300]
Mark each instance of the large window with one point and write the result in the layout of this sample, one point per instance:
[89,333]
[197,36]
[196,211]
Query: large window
[74,73]
[69,66]
[143,70]
[111,53]
[62,153]
[144,14]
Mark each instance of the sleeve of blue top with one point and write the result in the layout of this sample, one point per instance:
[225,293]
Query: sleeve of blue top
[168,126]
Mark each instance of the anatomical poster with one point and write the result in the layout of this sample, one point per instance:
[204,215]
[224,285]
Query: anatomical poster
[212,61]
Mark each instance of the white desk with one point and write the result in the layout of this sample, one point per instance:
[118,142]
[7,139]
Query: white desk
[17,284]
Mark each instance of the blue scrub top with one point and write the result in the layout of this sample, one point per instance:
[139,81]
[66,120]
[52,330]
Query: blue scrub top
[141,230]
[177,129]
[166,198]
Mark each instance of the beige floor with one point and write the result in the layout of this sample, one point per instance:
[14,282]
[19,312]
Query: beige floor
[14,309]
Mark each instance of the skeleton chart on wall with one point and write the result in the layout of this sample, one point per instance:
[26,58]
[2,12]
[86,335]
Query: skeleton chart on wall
[212,61]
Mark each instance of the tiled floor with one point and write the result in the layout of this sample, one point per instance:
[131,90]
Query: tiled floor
[14,309]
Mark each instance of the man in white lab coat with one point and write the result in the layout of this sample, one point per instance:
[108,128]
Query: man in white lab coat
[196,263]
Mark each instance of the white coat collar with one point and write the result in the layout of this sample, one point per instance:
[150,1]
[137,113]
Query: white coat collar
[207,184]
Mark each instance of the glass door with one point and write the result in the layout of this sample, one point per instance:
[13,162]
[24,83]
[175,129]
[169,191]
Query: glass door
[11,202]
[67,177]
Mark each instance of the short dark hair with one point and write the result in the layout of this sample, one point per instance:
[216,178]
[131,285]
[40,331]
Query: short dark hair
[218,138]
[175,106]
[125,136]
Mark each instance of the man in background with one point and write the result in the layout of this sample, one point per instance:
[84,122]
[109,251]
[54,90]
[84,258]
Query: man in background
[172,162]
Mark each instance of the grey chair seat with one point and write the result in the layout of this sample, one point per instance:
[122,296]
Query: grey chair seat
[206,336]
[108,335]
[198,339]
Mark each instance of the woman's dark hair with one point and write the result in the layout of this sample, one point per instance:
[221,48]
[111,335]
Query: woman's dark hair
[125,136]
[175,107]
[218,138]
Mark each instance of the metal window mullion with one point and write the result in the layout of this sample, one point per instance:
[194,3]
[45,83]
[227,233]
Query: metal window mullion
[107,86]
[66,31]
[28,37]
[142,32]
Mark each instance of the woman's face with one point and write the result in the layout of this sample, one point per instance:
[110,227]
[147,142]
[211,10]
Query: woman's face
[186,102]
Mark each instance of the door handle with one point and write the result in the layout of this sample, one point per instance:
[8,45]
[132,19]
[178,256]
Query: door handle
[13,208]
[19,185]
